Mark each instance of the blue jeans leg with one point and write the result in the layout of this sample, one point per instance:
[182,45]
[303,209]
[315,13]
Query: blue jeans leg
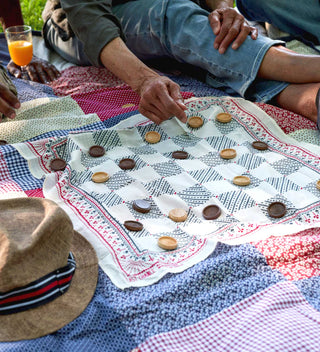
[298,18]
[180,29]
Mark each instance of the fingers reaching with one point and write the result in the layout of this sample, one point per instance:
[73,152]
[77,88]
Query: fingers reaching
[161,99]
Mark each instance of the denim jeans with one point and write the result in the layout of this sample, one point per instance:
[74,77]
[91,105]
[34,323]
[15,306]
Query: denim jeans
[301,19]
[180,29]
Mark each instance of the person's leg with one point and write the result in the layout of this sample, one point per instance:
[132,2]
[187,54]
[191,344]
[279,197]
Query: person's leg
[71,50]
[258,70]
[282,64]
[180,29]
[300,98]
[299,18]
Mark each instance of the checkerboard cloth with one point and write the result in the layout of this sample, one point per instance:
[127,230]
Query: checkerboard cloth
[286,172]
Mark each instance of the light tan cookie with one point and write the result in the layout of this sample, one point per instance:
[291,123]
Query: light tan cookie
[168,243]
[100,177]
[195,121]
[241,180]
[178,215]
[152,137]
[224,117]
[228,153]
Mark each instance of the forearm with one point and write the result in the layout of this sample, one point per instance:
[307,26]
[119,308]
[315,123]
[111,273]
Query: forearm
[219,4]
[117,58]
[10,13]
[94,24]
[160,98]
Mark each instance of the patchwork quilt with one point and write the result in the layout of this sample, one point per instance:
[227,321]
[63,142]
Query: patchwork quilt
[243,282]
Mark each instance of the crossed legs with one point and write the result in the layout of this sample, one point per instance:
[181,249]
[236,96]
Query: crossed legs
[290,78]
[155,31]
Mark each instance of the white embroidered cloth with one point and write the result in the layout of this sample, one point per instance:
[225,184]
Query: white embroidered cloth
[286,172]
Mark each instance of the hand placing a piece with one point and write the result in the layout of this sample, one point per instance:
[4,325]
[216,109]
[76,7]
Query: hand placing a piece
[160,96]
[230,26]
[38,71]
[8,102]
[161,99]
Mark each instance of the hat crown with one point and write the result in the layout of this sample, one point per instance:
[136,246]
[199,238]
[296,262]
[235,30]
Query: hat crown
[35,239]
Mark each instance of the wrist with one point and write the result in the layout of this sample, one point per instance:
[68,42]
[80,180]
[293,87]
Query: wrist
[140,79]
[218,4]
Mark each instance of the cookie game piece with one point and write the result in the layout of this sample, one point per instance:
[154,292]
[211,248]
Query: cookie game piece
[128,105]
[96,151]
[211,212]
[100,177]
[180,154]
[195,121]
[141,205]
[259,145]
[318,184]
[167,242]
[224,117]
[241,180]
[228,153]
[3,142]
[277,209]
[133,225]
[127,164]
[58,164]
[152,137]
[178,215]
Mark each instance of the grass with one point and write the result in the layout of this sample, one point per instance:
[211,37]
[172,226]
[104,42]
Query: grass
[31,12]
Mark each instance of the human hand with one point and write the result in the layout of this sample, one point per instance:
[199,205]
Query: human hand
[161,99]
[230,26]
[8,102]
[37,70]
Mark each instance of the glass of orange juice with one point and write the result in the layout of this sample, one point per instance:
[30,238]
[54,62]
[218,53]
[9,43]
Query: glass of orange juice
[19,39]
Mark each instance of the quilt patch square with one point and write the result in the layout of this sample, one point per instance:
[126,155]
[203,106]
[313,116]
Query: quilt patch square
[296,256]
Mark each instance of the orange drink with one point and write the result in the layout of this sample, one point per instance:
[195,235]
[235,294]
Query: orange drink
[19,39]
[20,52]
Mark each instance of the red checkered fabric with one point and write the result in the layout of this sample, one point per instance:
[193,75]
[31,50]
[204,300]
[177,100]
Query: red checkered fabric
[38,193]
[111,102]
[76,80]
[108,102]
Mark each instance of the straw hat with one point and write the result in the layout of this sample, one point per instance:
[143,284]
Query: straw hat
[36,238]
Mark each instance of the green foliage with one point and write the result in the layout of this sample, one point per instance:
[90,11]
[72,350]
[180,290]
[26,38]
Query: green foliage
[31,11]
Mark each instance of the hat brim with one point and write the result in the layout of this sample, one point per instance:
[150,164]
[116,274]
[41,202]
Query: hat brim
[53,316]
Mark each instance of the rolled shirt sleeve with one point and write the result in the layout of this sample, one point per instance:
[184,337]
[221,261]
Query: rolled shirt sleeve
[94,24]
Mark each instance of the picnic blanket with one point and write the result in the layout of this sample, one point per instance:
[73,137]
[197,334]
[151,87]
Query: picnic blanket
[257,294]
